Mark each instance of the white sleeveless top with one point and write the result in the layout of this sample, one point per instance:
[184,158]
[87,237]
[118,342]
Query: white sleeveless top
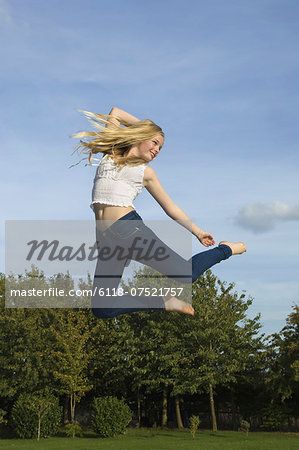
[117,187]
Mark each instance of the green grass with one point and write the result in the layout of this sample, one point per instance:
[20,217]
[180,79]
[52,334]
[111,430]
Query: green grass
[164,440]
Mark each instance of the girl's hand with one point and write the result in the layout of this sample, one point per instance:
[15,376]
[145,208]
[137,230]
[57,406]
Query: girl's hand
[206,239]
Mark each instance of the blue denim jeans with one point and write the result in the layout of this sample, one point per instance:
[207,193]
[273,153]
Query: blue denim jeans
[120,237]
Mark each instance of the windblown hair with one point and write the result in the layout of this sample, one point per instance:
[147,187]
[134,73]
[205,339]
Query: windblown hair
[115,140]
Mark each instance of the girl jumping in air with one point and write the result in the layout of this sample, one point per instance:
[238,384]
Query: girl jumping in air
[128,145]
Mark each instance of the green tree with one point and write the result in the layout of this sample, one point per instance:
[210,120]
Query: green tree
[284,357]
[154,348]
[24,341]
[283,366]
[159,355]
[24,349]
[36,415]
[69,334]
[41,346]
[174,355]
[222,341]
[40,405]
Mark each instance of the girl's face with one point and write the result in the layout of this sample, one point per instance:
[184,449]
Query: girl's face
[149,149]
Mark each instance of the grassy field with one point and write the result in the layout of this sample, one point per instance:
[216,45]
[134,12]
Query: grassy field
[168,440]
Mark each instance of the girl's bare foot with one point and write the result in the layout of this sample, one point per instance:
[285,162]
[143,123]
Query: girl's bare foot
[174,304]
[237,247]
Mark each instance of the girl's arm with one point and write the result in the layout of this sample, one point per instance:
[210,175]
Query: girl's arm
[122,115]
[154,187]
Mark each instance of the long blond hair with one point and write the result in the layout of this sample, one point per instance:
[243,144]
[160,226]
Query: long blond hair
[115,140]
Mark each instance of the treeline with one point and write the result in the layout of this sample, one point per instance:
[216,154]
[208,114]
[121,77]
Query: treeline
[166,366]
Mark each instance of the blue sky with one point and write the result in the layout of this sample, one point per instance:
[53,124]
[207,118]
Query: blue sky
[220,78]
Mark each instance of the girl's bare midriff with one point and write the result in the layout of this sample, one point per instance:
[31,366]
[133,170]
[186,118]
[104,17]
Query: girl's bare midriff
[106,214]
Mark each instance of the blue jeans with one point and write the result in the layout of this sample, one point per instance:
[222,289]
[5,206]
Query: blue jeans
[123,235]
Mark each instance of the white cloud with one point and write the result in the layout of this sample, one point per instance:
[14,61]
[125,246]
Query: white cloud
[262,217]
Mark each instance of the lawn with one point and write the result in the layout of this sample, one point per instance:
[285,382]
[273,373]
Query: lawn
[168,440]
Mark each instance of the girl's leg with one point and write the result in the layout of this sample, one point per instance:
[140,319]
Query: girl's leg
[175,266]
[207,259]
[124,234]
[106,300]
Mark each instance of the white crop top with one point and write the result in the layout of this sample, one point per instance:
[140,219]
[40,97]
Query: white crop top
[116,187]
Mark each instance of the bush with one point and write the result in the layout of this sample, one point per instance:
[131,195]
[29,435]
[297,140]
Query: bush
[194,424]
[110,416]
[274,417]
[74,429]
[244,426]
[31,409]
